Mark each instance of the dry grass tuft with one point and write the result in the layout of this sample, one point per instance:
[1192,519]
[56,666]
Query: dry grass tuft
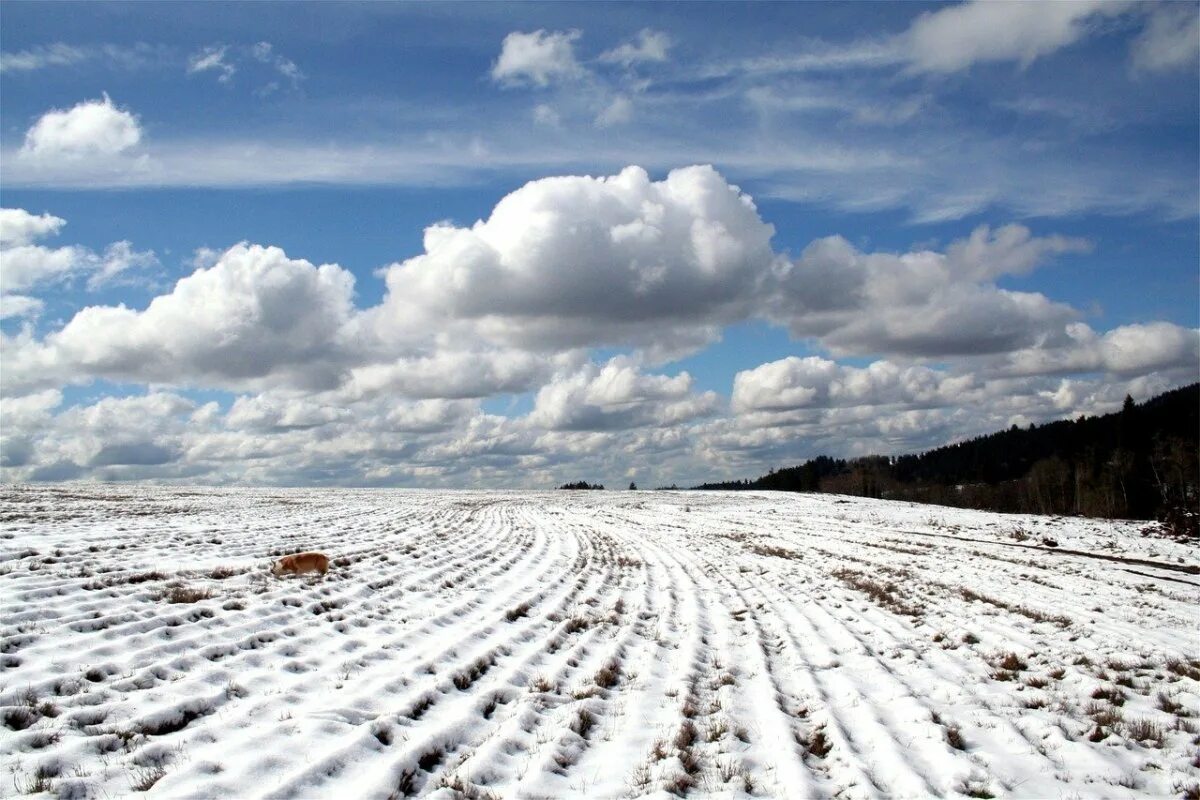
[184,594]
[608,675]
[515,613]
[685,736]
[954,737]
[1145,730]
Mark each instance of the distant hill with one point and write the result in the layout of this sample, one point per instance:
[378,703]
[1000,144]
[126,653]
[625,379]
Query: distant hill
[1140,463]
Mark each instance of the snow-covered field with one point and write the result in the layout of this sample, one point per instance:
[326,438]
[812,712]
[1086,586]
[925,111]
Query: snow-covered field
[587,644]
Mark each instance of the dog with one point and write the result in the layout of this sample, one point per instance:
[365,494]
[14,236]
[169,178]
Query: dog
[299,563]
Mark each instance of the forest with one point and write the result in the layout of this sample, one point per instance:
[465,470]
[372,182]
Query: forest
[1138,463]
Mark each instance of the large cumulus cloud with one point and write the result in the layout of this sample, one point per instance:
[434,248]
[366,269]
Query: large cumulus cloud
[571,261]
[252,316]
[923,303]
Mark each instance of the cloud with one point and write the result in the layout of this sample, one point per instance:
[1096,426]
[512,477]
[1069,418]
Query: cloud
[61,54]
[923,303]
[255,317]
[226,61]
[265,53]
[1008,250]
[272,411]
[114,438]
[57,54]
[91,128]
[794,383]
[618,112]
[19,227]
[651,45]
[1128,350]
[561,265]
[212,59]
[812,56]
[538,58]
[142,430]
[790,410]
[957,37]
[1170,39]
[570,261]
[449,373]
[937,172]
[617,396]
[890,111]
[24,417]
[546,115]
[17,306]
[28,265]
[514,304]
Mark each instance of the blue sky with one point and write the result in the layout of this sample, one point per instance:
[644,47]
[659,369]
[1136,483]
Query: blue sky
[963,216]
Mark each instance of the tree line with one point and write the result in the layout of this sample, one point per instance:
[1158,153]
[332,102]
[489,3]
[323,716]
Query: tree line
[1138,463]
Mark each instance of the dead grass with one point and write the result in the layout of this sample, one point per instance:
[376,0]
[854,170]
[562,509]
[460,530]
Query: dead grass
[1110,693]
[542,684]
[954,737]
[1185,669]
[184,594]
[468,676]
[18,718]
[1145,731]
[885,594]
[583,723]
[772,550]
[686,735]
[142,779]
[608,675]
[1009,661]
[1029,613]
[716,730]
[1103,714]
[816,744]
[516,612]
[39,781]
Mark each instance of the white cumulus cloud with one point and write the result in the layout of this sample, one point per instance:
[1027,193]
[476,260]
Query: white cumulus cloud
[570,261]
[25,265]
[538,58]
[90,128]
[254,316]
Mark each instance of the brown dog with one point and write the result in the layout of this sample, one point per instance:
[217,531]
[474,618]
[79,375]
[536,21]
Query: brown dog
[299,563]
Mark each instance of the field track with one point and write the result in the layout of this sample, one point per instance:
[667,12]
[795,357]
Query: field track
[598,644]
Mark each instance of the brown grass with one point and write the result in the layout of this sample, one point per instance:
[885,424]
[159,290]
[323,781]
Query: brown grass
[885,594]
[184,594]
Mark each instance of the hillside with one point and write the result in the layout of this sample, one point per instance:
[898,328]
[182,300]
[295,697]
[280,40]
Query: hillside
[1139,463]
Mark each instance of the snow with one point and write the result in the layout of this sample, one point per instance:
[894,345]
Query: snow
[587,644]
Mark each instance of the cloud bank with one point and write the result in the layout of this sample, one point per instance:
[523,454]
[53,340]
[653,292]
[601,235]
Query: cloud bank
[570,303]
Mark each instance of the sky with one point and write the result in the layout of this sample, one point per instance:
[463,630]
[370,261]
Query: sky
[478,245]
